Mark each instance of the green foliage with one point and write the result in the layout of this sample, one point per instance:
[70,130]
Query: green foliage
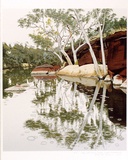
[108,20]
[120,23]
[47,23]
[40,41]
[17,55]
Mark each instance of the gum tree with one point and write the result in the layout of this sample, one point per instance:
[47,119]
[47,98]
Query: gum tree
[79,20]
[100,20]
[54,30]
[57,29]
[50,25]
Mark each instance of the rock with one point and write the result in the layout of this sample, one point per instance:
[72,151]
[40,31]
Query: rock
[123,72]
[24,85]
[115,47]
[39,72]
[108,78]
[124,90]
[124,84]
[67,70]
[86,81]
[117,53]
[15,88]
[117,80]
[45,69]
[82,71]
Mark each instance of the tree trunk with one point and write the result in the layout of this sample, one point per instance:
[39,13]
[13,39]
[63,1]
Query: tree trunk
[90,47]
[59,57]
[102,51]
[66,56]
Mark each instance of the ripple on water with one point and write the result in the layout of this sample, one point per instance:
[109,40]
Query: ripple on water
[43,143]
[92,129]
[31,138]
[111,117]
[119,119]
[111,109]
[52,142]
[88,126]
[117,124]
[107,133]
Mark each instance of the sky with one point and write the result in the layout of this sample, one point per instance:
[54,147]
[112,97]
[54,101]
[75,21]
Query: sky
[63,3]
[12,33]
[12,10]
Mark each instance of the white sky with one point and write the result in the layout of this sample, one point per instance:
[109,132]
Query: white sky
[64,3]
[12,10]
[12,34]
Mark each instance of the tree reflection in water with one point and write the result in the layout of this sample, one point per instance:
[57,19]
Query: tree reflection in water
[73,113]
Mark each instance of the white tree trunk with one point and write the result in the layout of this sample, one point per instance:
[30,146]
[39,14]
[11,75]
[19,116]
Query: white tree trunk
[90,47]
[66,56]
[87,115]
[102,51]
[61,48]
[59,57]
[74,52]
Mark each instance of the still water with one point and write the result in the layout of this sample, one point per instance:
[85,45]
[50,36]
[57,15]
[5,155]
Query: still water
[62,114]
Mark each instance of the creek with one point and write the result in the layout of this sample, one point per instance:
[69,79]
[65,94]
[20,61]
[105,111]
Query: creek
[54,114]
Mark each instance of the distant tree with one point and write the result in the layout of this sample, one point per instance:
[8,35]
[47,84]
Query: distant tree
[18,54]
[6,55]
[120,23]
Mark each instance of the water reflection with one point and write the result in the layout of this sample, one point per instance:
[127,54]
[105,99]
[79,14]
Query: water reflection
[13,77]
[117,106]
[74,114]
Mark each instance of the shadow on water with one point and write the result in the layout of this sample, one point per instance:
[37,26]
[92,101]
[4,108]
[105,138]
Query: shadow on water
[72,113]
[117,106]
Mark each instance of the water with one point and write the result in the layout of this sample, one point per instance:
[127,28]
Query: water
[56,114]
